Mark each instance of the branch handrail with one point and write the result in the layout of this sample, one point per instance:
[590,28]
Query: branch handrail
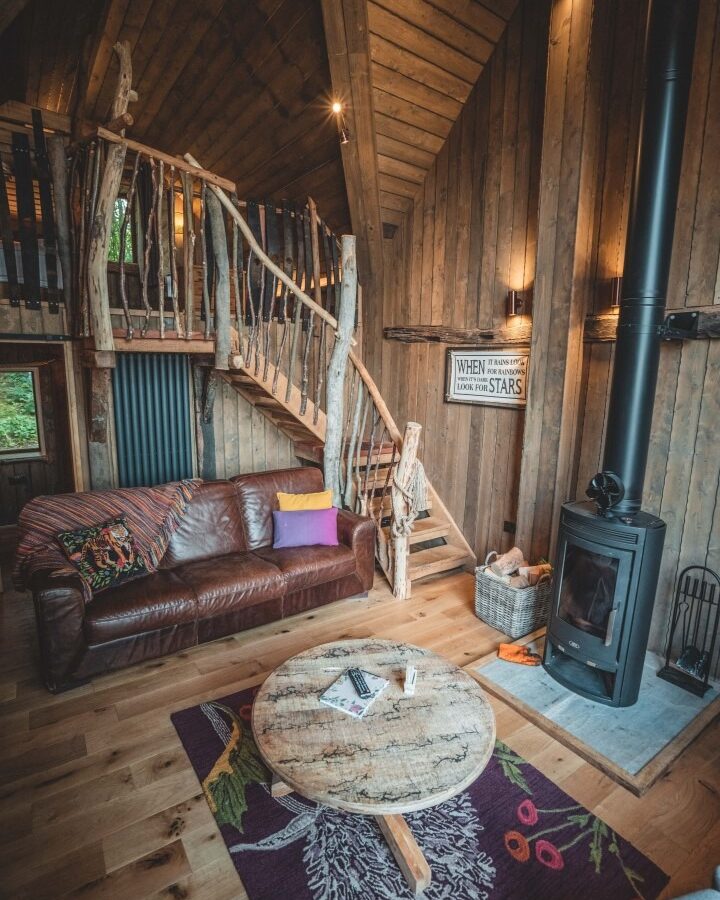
[260,253]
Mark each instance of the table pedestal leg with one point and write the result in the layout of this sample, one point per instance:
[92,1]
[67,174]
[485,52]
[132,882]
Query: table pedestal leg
[278,788]
[405,849]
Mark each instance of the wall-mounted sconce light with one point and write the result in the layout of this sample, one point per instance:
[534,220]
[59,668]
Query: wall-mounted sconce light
[516,305]
[343,130]
[615,291]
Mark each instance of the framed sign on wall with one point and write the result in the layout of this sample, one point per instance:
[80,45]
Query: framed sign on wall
[490,377]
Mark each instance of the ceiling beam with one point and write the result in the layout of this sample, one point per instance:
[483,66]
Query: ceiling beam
[348,46]
[9,11]
[98,57]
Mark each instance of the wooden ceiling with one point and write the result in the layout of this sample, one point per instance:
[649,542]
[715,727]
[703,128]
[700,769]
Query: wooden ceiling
[426,56]
[243,85]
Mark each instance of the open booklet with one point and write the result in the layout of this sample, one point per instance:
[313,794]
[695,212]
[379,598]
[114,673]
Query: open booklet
[342,694]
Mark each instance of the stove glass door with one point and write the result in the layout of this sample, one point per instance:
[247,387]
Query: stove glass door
[587,590]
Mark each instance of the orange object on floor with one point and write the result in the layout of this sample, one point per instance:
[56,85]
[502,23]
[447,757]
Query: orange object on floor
[518,654]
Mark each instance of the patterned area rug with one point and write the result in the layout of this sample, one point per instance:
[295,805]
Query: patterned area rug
[512,834]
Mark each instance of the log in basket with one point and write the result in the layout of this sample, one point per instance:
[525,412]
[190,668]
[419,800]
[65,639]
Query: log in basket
[514,611]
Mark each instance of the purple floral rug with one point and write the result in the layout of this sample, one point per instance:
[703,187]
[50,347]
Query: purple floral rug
[512,834]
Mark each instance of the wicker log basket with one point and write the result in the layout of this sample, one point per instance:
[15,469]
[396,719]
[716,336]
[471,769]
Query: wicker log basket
[514,611]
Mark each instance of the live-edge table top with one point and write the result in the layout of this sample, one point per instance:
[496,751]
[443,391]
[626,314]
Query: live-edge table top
[406,753]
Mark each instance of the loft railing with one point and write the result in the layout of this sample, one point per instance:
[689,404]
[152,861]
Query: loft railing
[162,215]
[200,264]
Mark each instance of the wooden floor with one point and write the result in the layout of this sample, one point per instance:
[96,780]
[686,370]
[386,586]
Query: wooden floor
[98,800]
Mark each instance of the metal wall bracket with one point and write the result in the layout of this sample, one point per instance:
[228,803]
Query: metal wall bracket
[680,327]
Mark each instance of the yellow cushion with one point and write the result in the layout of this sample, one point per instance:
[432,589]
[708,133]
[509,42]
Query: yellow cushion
[294,502]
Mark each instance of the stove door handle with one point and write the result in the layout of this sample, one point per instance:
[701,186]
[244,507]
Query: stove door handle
[611,626]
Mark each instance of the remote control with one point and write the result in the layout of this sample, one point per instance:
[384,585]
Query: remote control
[359,683]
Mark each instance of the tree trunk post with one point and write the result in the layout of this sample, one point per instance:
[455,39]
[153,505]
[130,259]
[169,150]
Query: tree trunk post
[335,387]
[403,515]
[100,230]
[222,282]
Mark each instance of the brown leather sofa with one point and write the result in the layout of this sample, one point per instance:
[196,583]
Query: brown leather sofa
[219,576]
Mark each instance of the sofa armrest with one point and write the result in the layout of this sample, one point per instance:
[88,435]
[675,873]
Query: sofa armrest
[59,612]
[358,533]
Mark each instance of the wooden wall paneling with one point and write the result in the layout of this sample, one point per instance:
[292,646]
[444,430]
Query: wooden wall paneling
[185,31]
[480,113]
[440,247]
[427,47]
[244,425]
[616,163]
[596,383]
[463,219]
[472,44]
[348,44]
[674,505]
[428,229]
[683,472]
[281,62]
[509,59]
[566,203]
[693,149]
[406,111]
[232,435]
[491,193]
[704,260]
[258,440]
[453,239]
[703,489]
[418,93]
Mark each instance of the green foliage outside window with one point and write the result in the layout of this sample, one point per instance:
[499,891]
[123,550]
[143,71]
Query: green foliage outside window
[116,231]
[18,418]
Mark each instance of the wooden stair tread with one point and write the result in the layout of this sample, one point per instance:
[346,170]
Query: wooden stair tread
[426,530]
[436,559]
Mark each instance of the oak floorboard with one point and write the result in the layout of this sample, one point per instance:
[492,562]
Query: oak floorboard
[107,803]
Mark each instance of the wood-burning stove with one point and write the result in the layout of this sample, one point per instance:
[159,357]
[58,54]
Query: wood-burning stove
[605,580]
[608,555]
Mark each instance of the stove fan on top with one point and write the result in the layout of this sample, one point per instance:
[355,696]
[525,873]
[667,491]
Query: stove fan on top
[606,489]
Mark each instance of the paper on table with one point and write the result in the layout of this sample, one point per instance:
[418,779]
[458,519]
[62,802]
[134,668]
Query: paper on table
[342,694]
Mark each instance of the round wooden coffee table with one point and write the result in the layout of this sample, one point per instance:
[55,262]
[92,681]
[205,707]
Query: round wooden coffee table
[405,754]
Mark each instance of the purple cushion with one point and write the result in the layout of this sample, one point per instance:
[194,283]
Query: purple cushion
[305,527]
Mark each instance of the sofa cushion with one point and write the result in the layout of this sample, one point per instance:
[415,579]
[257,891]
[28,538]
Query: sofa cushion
[304,567]
[231,581]
[138,606]
[257,496]
[211,526]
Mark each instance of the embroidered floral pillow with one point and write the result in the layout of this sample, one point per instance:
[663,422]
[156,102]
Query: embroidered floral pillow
[104,555]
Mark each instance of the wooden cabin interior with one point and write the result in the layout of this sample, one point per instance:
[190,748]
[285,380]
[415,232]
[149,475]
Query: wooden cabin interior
[371,337]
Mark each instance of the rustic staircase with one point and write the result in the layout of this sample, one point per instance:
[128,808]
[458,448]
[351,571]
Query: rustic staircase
[286,352]
[436,544]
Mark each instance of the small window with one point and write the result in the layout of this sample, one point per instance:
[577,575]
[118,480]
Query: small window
[21,432]
[116,232]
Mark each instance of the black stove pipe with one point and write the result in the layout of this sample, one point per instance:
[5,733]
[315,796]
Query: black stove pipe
[669,46]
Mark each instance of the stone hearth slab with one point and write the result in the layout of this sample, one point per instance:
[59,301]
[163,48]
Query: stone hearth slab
[634,745]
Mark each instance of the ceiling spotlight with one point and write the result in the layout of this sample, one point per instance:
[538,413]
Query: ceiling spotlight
[343,131]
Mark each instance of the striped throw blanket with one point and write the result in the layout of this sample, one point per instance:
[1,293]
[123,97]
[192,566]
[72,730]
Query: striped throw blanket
[152,515]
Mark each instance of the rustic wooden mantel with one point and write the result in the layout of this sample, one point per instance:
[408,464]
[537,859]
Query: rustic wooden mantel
[598,329]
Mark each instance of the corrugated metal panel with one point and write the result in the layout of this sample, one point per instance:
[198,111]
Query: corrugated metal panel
[152,418]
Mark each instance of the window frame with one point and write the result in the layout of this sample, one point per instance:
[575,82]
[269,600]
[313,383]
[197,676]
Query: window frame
[114,264]
[36,453]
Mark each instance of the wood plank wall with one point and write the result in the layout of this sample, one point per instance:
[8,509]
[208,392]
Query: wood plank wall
[245,441]
[682,484]
[470,236]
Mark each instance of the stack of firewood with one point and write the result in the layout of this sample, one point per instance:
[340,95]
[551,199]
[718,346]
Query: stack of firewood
[513,569]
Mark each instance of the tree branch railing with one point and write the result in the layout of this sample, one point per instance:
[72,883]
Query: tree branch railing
[269,283]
